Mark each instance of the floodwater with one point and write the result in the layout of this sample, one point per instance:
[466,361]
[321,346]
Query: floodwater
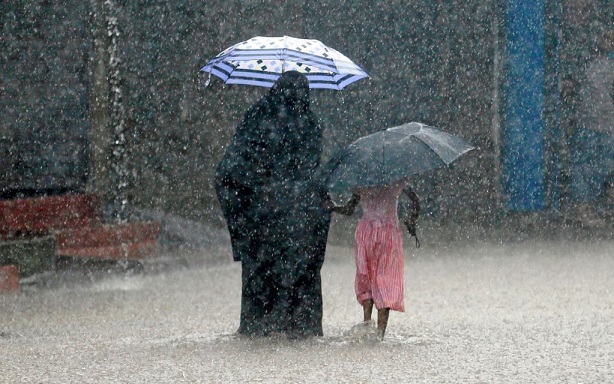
[530,312]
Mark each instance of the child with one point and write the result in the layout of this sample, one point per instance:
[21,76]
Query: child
[379,251]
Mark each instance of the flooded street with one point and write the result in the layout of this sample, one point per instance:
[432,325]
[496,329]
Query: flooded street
[169,130]
[534,312]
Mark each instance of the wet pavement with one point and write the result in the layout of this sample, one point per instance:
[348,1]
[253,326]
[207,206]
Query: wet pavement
[523,312]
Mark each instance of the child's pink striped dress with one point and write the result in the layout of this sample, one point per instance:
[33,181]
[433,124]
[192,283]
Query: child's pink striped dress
[379,248]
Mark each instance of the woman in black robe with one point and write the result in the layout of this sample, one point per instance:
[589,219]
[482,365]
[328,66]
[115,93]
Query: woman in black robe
[277,211]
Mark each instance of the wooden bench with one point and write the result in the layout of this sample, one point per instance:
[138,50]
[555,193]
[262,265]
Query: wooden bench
[74,220]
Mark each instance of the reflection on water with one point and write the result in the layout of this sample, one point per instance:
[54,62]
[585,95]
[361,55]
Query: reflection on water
[117,284]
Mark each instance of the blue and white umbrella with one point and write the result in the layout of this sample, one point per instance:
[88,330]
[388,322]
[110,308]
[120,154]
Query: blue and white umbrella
[261,60]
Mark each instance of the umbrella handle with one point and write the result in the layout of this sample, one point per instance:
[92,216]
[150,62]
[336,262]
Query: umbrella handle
[411,227]
[208,80]
[417,241]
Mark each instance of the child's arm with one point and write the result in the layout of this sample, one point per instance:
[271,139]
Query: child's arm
[347,209]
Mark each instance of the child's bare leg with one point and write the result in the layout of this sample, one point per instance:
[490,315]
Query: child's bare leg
[382,321]
[367,307]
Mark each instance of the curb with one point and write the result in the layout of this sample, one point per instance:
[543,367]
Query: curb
[9,278]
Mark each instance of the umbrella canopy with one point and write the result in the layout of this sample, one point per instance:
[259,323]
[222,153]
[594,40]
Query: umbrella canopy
[261,60]
[394,154]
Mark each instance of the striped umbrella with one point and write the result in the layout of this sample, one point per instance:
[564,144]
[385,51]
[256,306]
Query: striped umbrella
[261,60]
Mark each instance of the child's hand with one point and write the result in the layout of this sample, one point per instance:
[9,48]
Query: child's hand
[349,208]
[328,205]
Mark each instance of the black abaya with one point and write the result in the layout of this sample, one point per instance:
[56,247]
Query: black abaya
[276,212]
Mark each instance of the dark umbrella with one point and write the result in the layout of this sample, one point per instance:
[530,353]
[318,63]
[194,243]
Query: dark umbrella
[394,154]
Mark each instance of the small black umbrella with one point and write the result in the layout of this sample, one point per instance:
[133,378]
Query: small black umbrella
[394,154]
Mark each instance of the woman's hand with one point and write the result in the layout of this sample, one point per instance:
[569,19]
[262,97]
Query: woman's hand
[349,208]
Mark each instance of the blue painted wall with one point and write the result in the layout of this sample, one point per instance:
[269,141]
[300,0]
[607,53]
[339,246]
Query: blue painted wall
[524,127]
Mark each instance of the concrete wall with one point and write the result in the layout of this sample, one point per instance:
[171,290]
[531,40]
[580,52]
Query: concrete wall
[429,61]
[44,82]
